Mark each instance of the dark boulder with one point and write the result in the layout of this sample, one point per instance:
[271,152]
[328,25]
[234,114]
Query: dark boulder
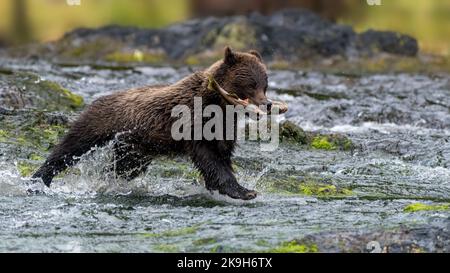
[290,36]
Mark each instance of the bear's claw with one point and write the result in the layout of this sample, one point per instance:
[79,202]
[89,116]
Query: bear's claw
[236,191]
[251,195]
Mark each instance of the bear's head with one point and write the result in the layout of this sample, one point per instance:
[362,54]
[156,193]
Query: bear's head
[243,74]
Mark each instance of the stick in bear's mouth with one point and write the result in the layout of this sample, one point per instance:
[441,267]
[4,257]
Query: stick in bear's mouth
[235,100]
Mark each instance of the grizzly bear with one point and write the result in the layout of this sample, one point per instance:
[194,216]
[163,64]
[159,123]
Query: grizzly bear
[141,119]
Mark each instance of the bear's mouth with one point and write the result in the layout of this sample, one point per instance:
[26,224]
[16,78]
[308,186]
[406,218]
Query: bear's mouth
[278,107]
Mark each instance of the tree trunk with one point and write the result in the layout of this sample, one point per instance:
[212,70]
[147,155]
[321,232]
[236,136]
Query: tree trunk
[20,26]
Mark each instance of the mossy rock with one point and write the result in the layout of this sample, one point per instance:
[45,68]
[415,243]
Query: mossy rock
[28,90]
[332,142]
[237,34]
[307,186]
[290,132]
[323,143]
[89,49]
[29,134]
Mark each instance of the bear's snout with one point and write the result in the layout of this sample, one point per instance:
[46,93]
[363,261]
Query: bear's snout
[262,102]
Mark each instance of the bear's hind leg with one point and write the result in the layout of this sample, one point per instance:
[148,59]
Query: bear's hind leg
[65,154]
[130,161]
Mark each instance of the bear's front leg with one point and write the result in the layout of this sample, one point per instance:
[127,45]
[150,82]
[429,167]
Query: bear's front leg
[218,173]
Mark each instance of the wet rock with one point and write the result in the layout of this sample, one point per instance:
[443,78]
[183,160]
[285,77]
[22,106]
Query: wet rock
[21,90]
[388,41]
[402,240]
[305,185]
[290,132]
[33,117]
[29,134]
[287,36]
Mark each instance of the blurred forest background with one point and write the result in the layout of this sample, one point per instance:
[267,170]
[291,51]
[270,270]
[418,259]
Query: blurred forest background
[23,21]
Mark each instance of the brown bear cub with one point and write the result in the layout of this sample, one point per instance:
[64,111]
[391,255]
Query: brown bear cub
[141,120]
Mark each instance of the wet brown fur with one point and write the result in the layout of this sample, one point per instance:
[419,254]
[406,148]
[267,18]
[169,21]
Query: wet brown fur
[141,121]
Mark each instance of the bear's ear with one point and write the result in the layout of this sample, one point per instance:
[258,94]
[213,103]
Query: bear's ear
[256,53]
[230,57]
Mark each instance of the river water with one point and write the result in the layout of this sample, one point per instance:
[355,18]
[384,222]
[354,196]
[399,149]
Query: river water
[399,123]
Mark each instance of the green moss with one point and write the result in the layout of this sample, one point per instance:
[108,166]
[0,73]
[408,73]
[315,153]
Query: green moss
[26,169]
[36,92]
[424,207]
[347,145]
[194,175]
[322,143]
[307,186]
[205,58]
[76,101]
[294,247]
[280,65]
[169,168]
[262,242]
[87,50]
[3,135]
[42,136]
[27,134]
[290,132]
[36,157]
[205,241]
[322,190]
[192,60]
[167,248]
